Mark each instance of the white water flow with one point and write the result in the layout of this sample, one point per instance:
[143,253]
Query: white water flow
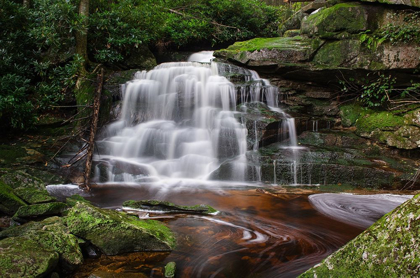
[178,122]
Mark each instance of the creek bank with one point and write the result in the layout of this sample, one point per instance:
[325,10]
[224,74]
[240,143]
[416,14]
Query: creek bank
[47,236]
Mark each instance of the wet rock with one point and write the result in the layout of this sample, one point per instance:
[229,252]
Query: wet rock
[264,125]
[9,202]
[21,179]
[34,196]
[388,248]
[170,269]
[73,199]
[115,233]
[167,207]
[37,239]
[25,213]
[22,257]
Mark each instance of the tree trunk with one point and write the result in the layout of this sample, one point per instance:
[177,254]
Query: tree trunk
[82,35]
[93,127]
[26,3]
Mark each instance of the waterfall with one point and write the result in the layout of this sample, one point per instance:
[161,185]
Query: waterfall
[179,121]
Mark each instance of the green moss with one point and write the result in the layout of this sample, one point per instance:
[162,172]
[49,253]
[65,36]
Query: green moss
[37,210]
[51,236]
[389,248]
[115,233]
[72,200]
[383,120]
[282,43]
[9,202]
[33,196]
[168,207]
[22,257]
[337,54]
[326,23]
[170,269]
[21,179]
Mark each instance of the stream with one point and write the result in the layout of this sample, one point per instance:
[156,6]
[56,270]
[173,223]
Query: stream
[255,234]
[182,136]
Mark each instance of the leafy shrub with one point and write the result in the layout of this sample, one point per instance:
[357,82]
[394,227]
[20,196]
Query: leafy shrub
[16,110]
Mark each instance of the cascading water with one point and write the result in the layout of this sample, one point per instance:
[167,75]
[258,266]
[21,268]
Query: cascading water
[178,122]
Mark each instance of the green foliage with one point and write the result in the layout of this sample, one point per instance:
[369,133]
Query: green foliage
[376,92]
[15,108]
[406,32]
[380,91]
[38,65]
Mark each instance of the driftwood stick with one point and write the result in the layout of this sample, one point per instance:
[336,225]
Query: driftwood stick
[93,128]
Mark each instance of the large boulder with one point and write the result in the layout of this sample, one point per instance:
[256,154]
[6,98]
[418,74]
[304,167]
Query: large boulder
[22,257]
[26,213]
[271,53]
[328,23]
[22,179]
[36,248]
[115,232]
[389,248]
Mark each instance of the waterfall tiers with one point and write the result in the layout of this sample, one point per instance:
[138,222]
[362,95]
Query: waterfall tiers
[184,120]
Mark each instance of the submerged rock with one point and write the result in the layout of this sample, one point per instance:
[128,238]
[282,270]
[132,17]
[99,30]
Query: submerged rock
[389,248]
[170,269]
[168,207]
[115,233]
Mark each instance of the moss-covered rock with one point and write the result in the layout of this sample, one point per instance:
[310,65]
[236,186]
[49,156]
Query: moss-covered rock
[382,120]
[115,233]
[51,235]
[170,269]
[23,257]
[72,200]
[350,113]
[389,248]
[39,210]
[155,205]
[9,202]
[22,179]
[284,51]
[33,196]
[344,17]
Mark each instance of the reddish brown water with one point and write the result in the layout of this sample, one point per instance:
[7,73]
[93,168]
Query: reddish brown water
[255,235]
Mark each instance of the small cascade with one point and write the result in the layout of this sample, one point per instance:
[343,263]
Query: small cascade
[179,121]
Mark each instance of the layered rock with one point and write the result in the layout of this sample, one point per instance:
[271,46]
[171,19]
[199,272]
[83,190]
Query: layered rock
[330,40]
